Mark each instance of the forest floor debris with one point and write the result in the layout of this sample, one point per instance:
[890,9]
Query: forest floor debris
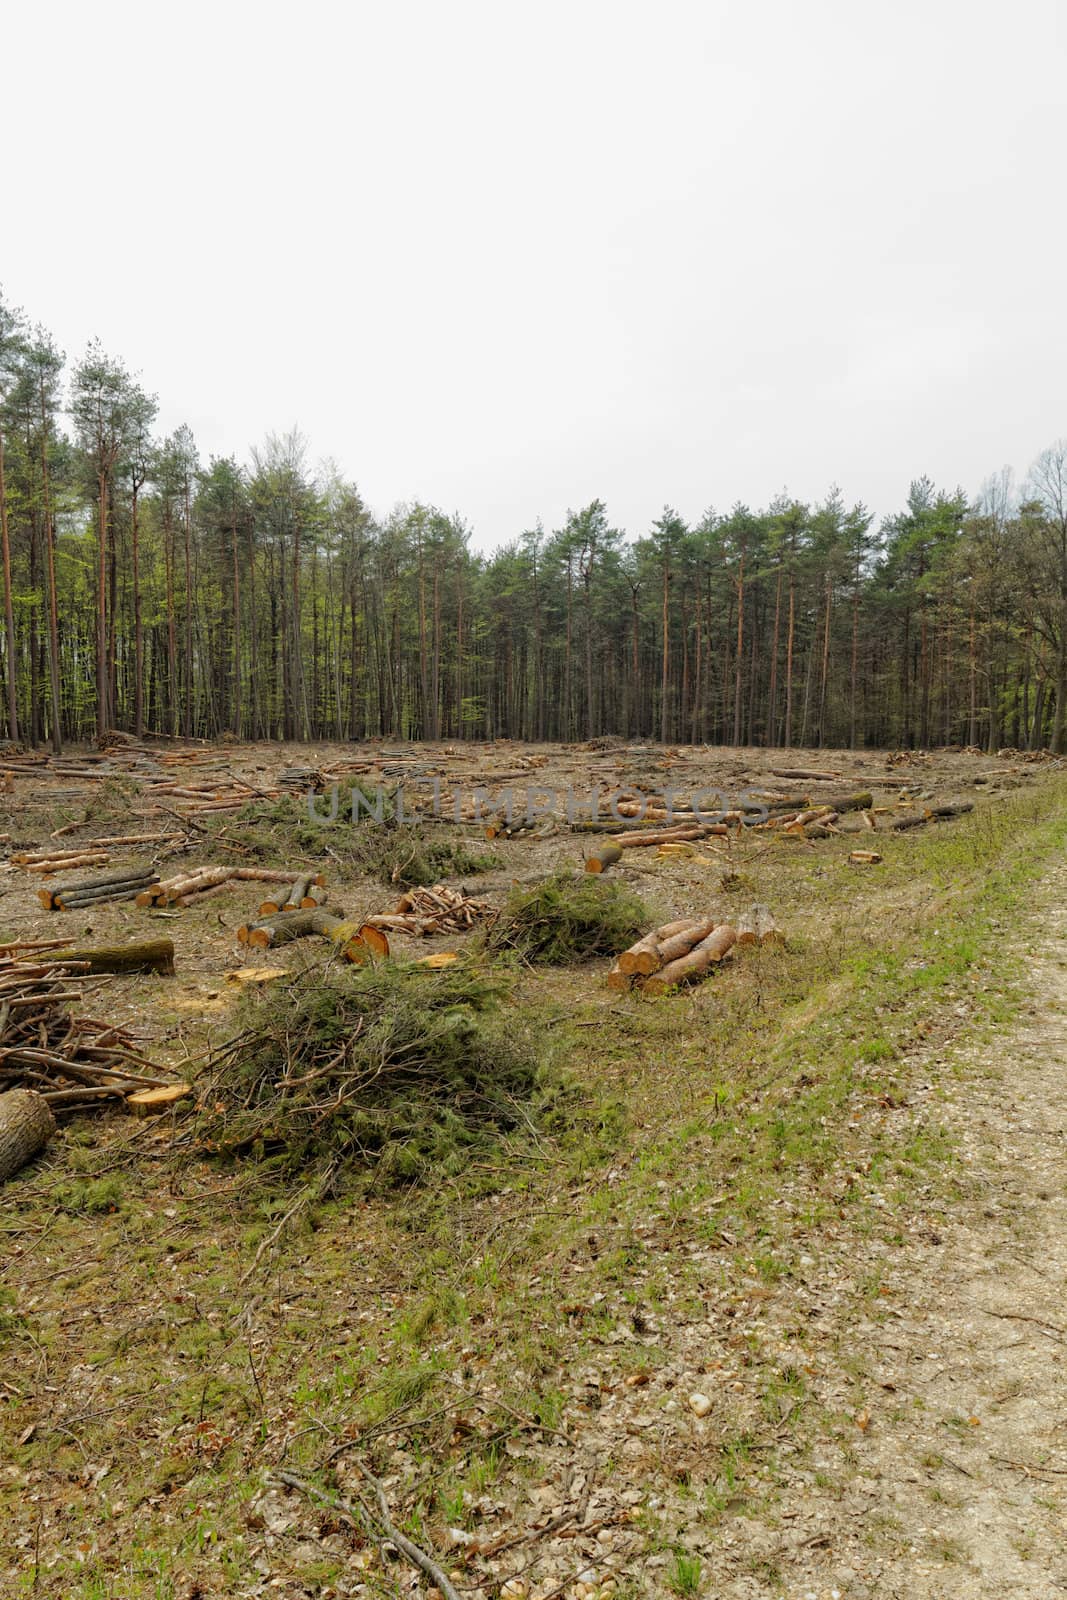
[741,1206]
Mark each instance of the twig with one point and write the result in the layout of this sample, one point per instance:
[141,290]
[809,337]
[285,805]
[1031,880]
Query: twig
[1029,1466]
[362,1517]
[1042,1323]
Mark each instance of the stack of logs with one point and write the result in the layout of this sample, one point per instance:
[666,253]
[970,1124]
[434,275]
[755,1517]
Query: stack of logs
[684,952]
[420,912]
[122,884]
[52,1063]
[203,882]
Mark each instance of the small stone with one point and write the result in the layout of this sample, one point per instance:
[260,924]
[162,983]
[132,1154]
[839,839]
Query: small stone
[699,1404]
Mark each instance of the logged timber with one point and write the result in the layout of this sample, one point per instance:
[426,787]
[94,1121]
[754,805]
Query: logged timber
[375,940]
[297,899]
[862,801]
[864,858]
[642,958]
[152,1102]
[205,878]
[121,885]
[26,1125]
[639,840]
[329,924]
[89,858]
[917,820]
[617,979]
[758,926]
[145,955]
[680,944]
[942,813]
[694,965]
[600,860]
[803,775]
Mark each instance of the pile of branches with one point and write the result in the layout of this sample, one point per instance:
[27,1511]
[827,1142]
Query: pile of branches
[391,1064]
[73,1061]
[436,910]
[569,917]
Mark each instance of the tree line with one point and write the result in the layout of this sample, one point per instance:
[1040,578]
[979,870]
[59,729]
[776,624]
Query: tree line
[149,591]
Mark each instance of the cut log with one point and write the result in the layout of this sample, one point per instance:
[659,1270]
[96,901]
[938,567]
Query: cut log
[329,924]
[376,940]
[294,900]
[850,802]
[152,1102]
[679,944]
[864,858]
[603,858]
[758,926]
[803,775]
[26,1125]
[121,886]
[90,858]
[272,875]
[205,878]
[942,813]
[146,955]
[617,979]
[196,897]
[642,958]
[692,967]
[680,835]
[74,899]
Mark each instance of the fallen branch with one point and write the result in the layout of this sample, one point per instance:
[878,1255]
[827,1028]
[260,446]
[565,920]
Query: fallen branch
[362,1517]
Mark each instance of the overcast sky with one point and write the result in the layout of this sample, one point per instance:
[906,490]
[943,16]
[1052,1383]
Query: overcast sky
[508,258]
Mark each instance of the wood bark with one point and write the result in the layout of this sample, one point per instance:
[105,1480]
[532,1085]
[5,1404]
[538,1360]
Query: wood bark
[693,966]
[144,955]
[601,859]
[26,1125]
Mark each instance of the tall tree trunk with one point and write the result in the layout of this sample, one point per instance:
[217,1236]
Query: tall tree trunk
[237,707]
[740,647]
[188,707]
[138,628]
[9,609]
[789,638]
[53,606]
[102,708]
[853,729]
[664,726]
[772,691]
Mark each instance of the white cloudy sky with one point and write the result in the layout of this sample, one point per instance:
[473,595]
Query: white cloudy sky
[508,258]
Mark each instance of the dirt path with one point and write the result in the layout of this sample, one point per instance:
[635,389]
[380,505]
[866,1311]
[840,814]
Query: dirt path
[968,1478]
[957,1484]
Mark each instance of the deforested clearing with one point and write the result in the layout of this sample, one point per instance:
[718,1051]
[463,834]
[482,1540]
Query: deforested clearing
[453,1233]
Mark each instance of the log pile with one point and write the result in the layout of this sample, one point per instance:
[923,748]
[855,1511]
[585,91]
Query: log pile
[199,883]
[817,821]
[124,883]
[349,938]
[685,951]
[69,1061]
[420,912]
